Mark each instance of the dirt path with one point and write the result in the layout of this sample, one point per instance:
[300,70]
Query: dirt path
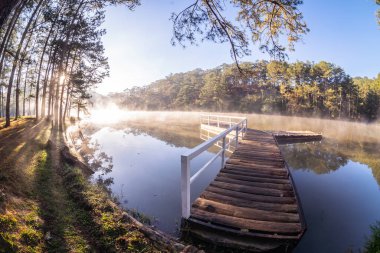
[36,213]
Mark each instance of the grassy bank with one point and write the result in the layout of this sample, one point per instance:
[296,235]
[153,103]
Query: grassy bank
[46,205]
[101,218]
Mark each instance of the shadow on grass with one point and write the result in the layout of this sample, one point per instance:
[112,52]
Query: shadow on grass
[49,208]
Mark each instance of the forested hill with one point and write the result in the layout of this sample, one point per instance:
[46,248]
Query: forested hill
[302,88]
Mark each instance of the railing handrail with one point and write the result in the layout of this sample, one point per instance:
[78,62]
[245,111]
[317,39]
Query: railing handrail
[186,158]
[222,116]
[205,145]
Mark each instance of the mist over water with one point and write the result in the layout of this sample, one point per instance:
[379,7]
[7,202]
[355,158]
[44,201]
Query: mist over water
[335,129]
[337,179]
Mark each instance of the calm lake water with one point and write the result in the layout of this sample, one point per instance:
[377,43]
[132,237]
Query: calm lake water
[337,179]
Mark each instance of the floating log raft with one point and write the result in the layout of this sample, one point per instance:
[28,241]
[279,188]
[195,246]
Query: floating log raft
[289,137]
[252,204]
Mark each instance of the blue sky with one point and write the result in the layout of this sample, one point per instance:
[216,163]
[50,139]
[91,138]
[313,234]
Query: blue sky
[139,50]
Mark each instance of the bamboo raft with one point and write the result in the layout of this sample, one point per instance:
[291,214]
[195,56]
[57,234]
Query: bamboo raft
[252,204]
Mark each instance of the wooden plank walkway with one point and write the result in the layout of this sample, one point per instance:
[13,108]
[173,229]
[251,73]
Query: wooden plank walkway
[252,204]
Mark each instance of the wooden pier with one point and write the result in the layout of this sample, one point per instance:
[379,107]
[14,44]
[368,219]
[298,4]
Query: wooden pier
[252,204]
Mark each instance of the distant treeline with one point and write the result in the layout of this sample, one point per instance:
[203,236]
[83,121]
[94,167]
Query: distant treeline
[301,88]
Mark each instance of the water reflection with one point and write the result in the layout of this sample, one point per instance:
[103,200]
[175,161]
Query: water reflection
[337,179]
[329,155]
[338,192]
[147,173]
[319,157]
[90,150]
[338,206]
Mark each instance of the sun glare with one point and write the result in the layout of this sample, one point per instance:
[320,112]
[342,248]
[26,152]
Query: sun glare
[108,115]
[62,79]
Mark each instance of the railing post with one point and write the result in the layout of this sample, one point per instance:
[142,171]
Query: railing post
[185,186]
[242,129]
[208,120]
[223,148]
[237,135]
[217,119]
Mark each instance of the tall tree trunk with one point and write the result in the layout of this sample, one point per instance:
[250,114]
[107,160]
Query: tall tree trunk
[29,101]
[61,116]
[49,67]
[56,97]
[78,111]
[8,33]
[17,55]
[349,106]
[67,101]
[51,92]
[6,7]
[69,87]
[69,107]
[1,101]
[39,73]
[22,61]
[25,81]
[61,60]
[40,65]
[18,91]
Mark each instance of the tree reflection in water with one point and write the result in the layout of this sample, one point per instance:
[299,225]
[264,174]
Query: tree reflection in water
[98,161]
[329,155]
[318,157]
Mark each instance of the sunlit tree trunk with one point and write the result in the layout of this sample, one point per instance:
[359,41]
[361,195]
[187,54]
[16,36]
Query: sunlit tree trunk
[40,68]
[67,101]
[15,62]
[39,74]
[68,93]
[61,113]
[25,82]
[49,67]
[56,96]
[51,93]
[67,37]
[18,91]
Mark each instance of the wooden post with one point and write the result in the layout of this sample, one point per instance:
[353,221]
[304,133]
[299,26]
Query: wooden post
[208,120]
[237,136]
[185,186]
[223,148]
[217,119]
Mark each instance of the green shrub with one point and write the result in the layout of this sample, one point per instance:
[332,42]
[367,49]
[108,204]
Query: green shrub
[111,226]
[7,244]
[30,237]
[7,222]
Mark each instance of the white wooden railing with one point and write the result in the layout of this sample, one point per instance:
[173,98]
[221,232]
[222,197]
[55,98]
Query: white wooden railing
[237,125]
[220,120]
